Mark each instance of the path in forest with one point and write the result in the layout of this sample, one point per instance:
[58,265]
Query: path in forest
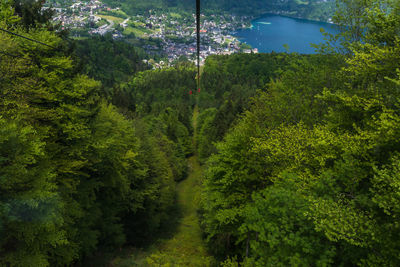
[186,247]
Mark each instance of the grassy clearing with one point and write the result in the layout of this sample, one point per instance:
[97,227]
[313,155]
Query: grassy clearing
[138,29]
[138,32]
[80,38]
[101,23]
[175,15]
[116,20]
[186,247]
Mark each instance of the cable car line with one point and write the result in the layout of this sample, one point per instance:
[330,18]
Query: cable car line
[27,38]
[198,42]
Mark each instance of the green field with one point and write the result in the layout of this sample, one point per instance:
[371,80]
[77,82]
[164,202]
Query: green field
[175,15]
[101,23]
[139,32]
[116,20]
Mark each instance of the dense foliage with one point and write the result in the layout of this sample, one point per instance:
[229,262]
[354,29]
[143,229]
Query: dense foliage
[108,60]
[228,82]
[76,175]
[309,174]
[162,98]
[302,152]
[314,9]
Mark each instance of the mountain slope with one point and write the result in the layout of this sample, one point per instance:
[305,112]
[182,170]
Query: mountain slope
[313,9]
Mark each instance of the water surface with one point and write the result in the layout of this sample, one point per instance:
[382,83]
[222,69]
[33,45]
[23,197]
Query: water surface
[271,32]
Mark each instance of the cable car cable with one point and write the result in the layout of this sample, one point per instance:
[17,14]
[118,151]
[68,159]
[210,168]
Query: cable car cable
[27,38]
[198,42]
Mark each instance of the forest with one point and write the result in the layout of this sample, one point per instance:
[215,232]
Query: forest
[313,9]
[301,153]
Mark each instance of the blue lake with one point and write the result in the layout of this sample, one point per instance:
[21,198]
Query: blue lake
[270,32]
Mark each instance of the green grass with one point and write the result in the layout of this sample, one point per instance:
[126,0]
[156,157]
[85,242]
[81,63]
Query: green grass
[229,40]
[115,19]
[186,247]
[101,23]
[139,32]
[120,13]
[175,15]
[80,38]
[139,29]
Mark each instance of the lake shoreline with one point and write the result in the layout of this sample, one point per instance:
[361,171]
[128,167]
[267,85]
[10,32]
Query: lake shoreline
[254,18]
[294,17]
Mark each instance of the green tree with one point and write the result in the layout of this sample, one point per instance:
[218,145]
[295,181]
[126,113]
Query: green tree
[307,175]
[31,225]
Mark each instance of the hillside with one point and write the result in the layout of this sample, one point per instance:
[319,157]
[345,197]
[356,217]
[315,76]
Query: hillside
[279,160]
[313,9]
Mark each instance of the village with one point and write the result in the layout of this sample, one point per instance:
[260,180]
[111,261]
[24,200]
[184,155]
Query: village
[170,36]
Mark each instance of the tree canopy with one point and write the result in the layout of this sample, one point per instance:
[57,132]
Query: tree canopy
[301,152]
[77,175]
[307,176]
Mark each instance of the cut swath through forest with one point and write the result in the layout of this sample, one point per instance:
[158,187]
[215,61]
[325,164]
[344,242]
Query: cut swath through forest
[186,247]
